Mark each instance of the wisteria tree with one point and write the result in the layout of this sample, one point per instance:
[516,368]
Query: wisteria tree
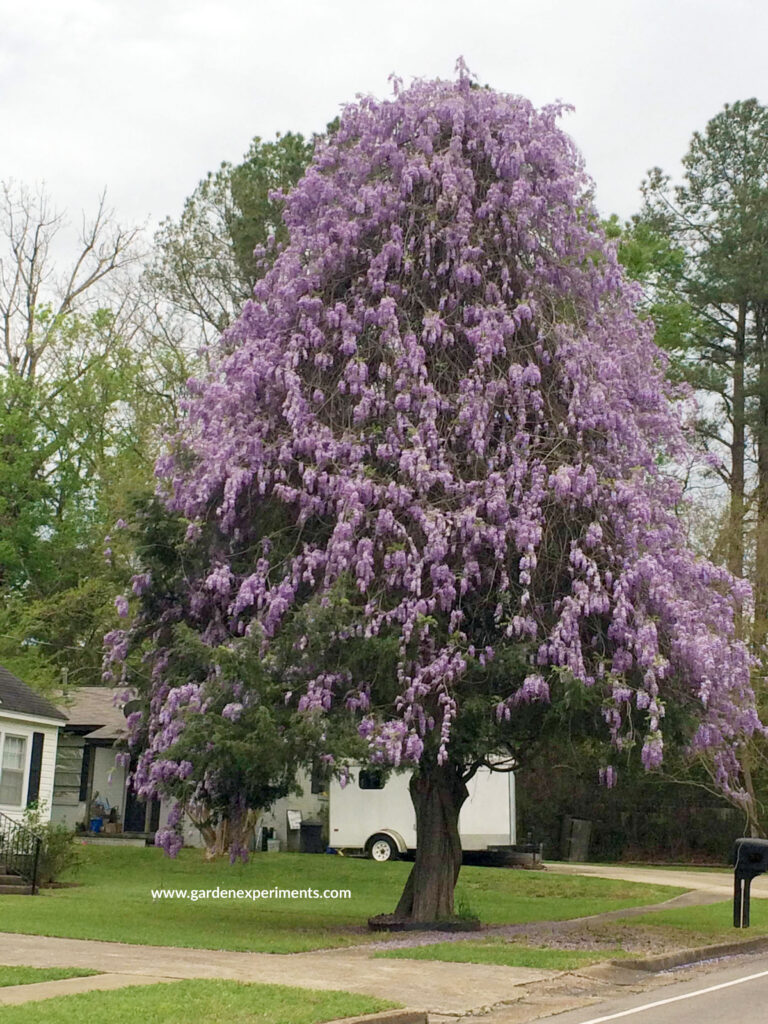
[430,481]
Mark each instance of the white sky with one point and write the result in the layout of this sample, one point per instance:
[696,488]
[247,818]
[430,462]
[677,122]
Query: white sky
[143,97]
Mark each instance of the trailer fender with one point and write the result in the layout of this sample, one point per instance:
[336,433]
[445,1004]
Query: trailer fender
[396,839]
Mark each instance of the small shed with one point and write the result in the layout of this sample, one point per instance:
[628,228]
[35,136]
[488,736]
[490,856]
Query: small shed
[29,730]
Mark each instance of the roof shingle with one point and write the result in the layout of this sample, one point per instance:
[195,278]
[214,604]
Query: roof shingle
[98,707]
[17,696]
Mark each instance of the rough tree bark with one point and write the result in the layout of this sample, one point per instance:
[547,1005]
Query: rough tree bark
[751,807]
[438,793]
[738,448]
[221,836]
[738,456]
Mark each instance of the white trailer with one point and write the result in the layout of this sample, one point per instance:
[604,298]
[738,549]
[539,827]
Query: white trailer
[378,817]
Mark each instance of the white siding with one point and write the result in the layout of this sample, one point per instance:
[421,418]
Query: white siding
[309,804]
[190,833]
[26,727]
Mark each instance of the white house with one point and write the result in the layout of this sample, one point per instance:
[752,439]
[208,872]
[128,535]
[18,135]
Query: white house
[85,765]
[86,772]
[29,729]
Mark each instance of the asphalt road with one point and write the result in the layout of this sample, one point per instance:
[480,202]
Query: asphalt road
[725,995]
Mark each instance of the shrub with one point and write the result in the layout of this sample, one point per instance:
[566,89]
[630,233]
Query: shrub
[58,852]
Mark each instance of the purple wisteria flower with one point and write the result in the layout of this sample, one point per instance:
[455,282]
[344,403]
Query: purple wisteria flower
[444,397]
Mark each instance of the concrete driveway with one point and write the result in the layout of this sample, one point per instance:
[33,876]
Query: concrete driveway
[716,883]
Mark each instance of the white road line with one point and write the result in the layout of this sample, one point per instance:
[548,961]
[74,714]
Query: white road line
[675,999]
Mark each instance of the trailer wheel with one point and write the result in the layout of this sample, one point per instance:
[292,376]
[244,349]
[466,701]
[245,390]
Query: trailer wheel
[381,848]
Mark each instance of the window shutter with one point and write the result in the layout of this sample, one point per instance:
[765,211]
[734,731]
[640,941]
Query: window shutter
[84,772]
[35,767]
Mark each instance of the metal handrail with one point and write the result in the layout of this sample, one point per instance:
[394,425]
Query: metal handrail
[20,850]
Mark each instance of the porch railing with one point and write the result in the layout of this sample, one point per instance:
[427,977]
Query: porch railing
[19,850]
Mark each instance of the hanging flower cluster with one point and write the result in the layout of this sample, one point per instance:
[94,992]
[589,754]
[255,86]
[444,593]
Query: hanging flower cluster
[443,388]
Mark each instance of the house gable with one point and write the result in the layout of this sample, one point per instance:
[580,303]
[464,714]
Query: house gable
[16,698]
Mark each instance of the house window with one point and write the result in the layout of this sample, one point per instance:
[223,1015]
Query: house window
[370,778]
[14,749]
[319,778]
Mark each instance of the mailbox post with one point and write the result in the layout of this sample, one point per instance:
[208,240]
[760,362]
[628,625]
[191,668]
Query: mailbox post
[751,860]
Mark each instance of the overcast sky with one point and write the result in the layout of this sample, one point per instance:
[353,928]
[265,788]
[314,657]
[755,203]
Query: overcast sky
[143,97]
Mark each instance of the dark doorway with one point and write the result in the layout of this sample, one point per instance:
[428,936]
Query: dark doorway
[136,814]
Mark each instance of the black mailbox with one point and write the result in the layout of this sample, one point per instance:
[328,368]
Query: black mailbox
[750,860]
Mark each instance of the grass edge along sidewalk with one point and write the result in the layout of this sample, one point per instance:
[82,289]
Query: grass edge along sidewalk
[685,934]
[10,977]
[112,901]
[213,1001]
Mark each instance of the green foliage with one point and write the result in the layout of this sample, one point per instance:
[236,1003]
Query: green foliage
[60,853]
[247,738]
[701,249]
[73,447]
[672,817]
[87,379]
[254,752]
[651,256]
[204,263]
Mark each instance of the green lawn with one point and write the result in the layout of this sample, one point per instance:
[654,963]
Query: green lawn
[710,924]
[504,954]
[114,901]
[31,975]
[192,1002]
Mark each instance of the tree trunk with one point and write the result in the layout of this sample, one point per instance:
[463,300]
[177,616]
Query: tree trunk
[760,631]
[219,838]
[738,449]
[438,793]
[751,807]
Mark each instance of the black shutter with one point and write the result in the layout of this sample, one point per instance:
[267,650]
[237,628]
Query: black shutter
[35,767]
[84,770]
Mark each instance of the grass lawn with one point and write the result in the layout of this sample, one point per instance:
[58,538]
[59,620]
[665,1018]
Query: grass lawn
[114,901]
[707,925]
[191,1002]
[504,954]
[30,975]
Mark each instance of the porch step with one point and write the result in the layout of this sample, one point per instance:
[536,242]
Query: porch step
[16,890]
[13,885]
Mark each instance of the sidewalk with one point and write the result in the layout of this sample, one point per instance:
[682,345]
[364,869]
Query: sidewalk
[476,993]
[446,988]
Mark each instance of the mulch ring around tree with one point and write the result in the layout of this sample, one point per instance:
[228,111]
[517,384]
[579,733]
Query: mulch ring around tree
[392,923]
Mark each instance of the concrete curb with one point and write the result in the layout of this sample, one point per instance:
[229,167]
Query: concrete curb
[667,961]
[386,1017]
